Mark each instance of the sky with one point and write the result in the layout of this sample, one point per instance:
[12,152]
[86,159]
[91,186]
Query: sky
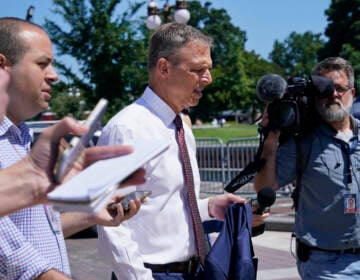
[264,21]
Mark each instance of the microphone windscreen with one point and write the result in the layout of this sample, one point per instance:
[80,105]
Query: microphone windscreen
[271,87]
[266,197]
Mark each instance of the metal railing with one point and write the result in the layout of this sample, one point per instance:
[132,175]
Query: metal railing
[211,160]
[219,163]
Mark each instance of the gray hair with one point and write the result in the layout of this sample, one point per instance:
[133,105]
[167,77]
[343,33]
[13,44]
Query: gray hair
[170,38]
[335,64]
[11,44]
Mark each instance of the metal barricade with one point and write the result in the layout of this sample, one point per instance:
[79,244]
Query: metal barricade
[210,158]
[239,153]
[218,163]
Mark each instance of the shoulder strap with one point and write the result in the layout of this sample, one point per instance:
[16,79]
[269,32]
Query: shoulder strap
[302,158]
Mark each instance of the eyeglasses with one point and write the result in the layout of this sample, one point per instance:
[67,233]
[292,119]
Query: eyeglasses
[341,90]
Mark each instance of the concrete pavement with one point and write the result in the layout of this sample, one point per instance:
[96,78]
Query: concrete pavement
[276,261]
[272,248]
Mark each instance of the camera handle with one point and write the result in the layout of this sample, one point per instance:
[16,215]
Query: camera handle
[249,172]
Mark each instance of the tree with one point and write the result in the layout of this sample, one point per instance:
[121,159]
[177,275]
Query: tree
[255,67]
[297,54]
[230,84]
[68,101]
[343,32]
[109,49]
[112,53]
[343,27]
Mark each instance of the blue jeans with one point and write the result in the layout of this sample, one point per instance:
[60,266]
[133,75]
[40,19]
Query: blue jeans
[328,265]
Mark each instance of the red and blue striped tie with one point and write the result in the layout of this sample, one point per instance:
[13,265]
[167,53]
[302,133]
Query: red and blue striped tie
[189,182]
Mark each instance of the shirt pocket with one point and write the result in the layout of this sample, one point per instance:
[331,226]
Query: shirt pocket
[334,164]
[355,163]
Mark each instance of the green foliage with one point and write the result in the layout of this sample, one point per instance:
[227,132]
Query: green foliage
[343,32]
[67,101]
[110,54]
[343,27]
[254,68]
[233,86]
[110,47]
[353,56]
[297,54]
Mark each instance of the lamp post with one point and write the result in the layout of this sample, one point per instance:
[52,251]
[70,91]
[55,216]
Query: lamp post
[75,102]
[181,14]
[30,13]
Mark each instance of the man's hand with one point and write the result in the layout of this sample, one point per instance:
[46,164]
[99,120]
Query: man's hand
[44,154]
[114,213]
[258,219]
[219,203]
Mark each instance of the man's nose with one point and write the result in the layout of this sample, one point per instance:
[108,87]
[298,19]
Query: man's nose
[206,78]
[51,75]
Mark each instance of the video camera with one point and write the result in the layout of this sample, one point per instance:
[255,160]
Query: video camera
[291,106]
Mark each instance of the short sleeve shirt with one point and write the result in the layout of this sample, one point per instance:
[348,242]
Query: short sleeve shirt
[331,172]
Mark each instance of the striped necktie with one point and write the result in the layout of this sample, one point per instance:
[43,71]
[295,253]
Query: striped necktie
[190,190]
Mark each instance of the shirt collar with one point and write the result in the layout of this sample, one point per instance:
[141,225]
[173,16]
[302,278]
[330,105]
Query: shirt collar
[6,124]
[158,106]
[22,130]
[328,130]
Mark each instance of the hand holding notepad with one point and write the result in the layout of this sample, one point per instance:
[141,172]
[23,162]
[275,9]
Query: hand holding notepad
[90,190]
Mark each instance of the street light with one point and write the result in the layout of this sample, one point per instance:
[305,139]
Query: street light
[30,13]
[181,15]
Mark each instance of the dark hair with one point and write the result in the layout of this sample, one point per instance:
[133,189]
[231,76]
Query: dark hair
[11,44]
[169,38]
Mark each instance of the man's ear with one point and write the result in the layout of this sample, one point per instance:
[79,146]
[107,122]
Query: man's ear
[163,66]
[353,93]
[3,61]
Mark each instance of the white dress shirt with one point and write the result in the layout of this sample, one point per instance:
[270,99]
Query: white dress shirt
[162,231]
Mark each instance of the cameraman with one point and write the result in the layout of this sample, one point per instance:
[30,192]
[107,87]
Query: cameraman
[327,233]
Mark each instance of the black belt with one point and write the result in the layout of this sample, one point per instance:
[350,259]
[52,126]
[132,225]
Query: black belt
[353,251]
[190,267]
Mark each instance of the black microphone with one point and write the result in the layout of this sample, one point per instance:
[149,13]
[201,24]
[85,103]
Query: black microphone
[271,87]
[265,198]
[245,176]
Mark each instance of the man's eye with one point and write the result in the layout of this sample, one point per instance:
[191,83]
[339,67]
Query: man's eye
[341,89]
[199,71]
[42,64]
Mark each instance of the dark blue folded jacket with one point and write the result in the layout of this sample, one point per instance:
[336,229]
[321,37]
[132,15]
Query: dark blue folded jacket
[232,255]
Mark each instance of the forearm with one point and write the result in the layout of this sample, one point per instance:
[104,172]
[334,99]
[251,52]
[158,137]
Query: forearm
[21,185]
[266,177]
[74,222]
[53,274]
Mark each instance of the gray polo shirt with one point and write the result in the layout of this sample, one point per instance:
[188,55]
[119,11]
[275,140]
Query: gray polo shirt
[332,172]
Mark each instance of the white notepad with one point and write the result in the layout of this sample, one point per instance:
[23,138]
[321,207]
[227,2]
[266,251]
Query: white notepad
[90,190]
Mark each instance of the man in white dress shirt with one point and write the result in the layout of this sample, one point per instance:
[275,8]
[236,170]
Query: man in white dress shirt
[159,242]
